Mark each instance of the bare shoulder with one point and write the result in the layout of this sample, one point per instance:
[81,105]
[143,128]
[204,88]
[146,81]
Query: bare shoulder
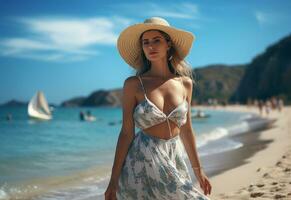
[131,82]
[187,82]
[130,86]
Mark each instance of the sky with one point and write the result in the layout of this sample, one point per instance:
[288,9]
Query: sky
[67,48]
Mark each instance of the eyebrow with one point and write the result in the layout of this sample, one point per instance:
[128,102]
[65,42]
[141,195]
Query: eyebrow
[153,38]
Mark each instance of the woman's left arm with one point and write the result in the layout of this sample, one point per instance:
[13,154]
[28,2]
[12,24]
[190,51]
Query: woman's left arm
[187,134]
[189,141]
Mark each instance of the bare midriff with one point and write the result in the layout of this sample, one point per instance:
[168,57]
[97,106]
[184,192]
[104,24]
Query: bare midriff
[167,129]
[162,130]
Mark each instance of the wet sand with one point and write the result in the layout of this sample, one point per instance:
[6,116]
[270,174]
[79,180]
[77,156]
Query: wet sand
[261,169]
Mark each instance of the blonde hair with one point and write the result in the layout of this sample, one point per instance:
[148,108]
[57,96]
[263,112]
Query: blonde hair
[176,65]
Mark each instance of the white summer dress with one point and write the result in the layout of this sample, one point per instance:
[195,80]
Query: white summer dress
[154,168]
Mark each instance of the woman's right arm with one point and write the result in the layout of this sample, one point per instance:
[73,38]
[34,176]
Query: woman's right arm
[126,134]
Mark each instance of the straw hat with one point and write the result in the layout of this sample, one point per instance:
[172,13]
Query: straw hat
[129,47]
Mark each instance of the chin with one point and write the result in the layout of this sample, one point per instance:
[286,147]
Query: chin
[153,59]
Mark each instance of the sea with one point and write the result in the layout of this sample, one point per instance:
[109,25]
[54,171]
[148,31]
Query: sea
[66,158]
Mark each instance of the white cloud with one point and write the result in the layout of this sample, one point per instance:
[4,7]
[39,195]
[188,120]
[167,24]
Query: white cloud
[183,11]
[54,38]
[261,17]
[62,38]
[75,33]
[264,18]
[168,10]
[18,45]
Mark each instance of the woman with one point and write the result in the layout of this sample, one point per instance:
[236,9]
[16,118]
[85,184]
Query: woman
[149,165]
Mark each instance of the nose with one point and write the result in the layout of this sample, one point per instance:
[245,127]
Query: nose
[151,45]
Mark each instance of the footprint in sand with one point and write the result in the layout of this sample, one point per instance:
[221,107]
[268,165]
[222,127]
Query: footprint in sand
[257,194]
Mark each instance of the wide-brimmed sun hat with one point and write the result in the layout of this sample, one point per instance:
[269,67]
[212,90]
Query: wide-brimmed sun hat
[129,46]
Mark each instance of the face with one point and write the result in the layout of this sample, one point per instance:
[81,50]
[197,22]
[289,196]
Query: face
[154,45]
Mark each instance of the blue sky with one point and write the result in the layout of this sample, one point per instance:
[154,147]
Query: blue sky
[67,48]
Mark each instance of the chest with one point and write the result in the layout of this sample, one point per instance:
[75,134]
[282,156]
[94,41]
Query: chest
[164,96]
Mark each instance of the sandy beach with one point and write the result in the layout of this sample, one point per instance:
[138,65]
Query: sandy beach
[266,173]
[259,169]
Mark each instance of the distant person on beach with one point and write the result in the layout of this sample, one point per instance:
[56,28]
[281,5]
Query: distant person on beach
[274,103]
[268,107]
[209,101]
[256,103]
[150,163]
[261,106]
[215,103]
[280,104]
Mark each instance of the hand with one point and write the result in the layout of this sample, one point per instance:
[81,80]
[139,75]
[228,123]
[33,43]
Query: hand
[203,181]
[110,193]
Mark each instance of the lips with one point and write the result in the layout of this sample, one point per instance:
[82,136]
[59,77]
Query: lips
[153,52]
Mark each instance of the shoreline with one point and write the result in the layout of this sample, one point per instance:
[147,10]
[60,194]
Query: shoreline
[258,159]
[35,189]
[220,163]
[239,156]
[236,157]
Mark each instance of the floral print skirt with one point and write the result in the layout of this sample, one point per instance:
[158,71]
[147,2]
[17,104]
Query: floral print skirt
[155,169]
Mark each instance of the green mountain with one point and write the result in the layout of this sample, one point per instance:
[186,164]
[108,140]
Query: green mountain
[269,74]
[75,102]
[97,98]
[14,103]
[216,81]
[219,81]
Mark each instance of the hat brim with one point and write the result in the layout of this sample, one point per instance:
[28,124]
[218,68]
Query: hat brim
[129,47]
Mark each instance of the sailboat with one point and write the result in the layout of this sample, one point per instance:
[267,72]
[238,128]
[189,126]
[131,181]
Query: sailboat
[38,107]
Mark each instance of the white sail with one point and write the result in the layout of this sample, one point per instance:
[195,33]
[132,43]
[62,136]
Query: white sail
[38,107]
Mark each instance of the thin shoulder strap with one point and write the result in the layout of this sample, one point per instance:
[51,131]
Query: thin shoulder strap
[142,85]
[185,95]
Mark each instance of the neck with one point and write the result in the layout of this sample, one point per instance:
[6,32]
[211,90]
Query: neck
[160,69]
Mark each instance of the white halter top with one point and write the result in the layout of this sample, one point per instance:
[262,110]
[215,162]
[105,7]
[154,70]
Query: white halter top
[147,114]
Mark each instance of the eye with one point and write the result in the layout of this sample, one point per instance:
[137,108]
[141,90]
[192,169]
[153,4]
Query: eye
[157,41]
[145,43]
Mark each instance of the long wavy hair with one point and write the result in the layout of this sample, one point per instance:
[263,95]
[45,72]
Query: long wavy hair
[176,65]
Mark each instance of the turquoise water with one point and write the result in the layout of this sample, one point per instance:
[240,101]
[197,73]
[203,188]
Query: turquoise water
[64,146]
